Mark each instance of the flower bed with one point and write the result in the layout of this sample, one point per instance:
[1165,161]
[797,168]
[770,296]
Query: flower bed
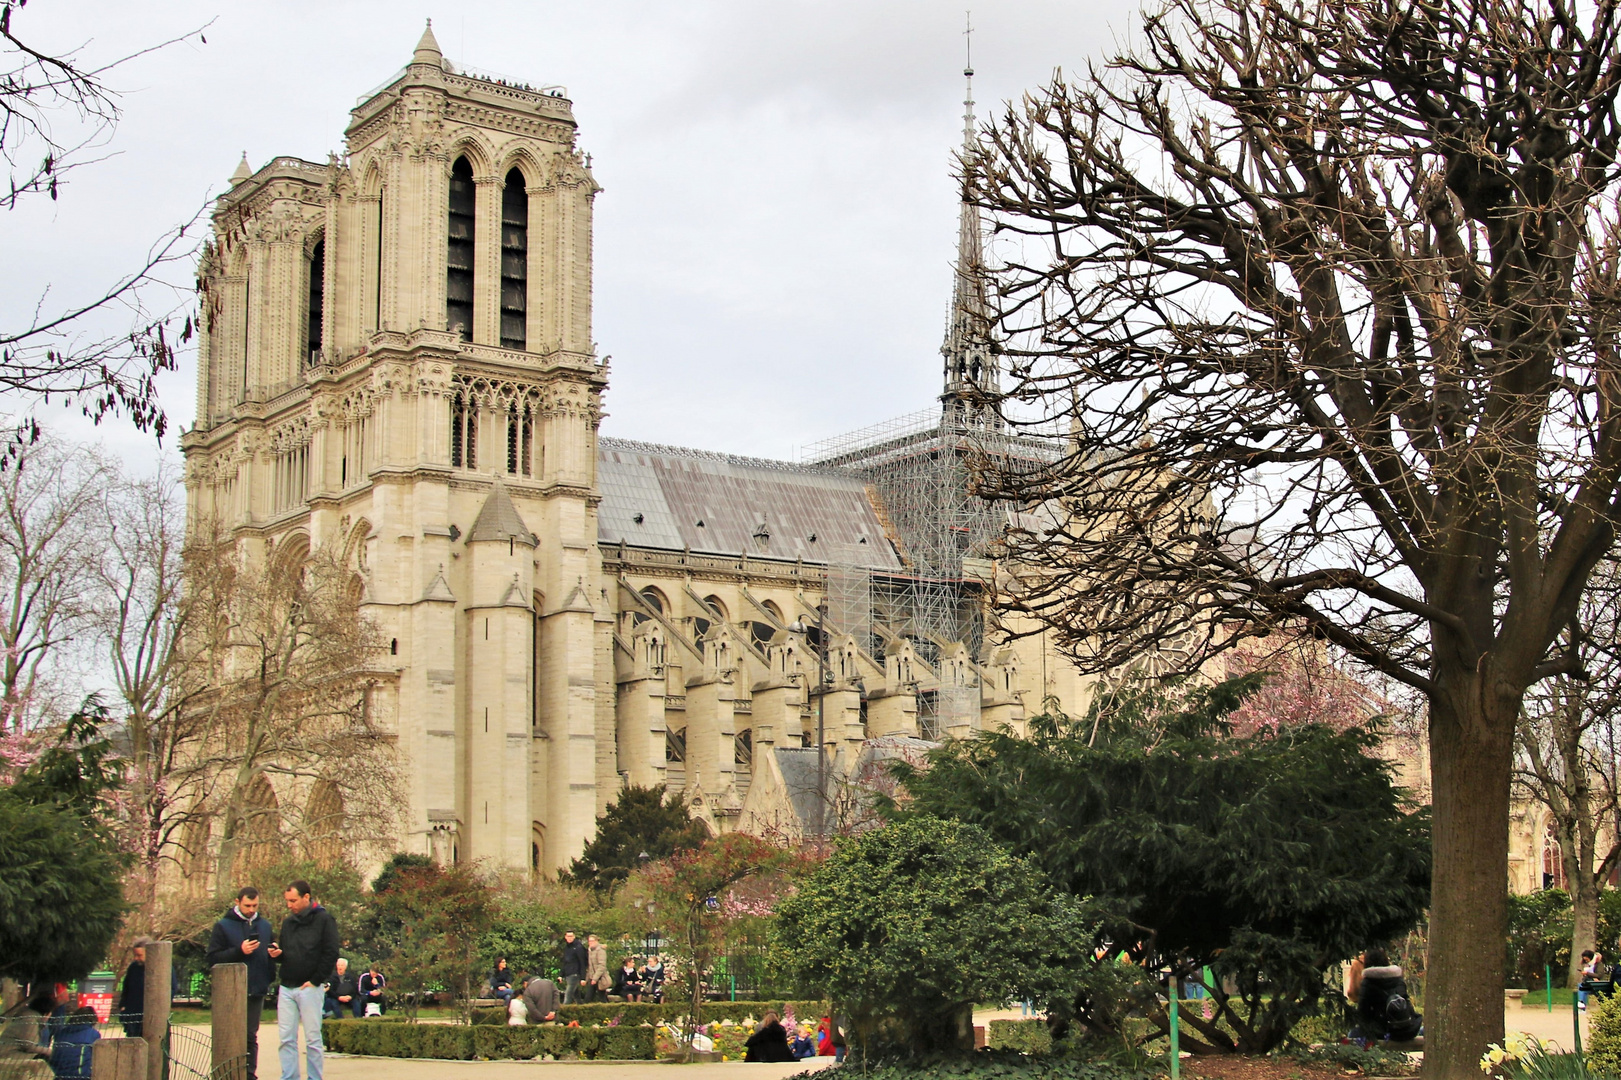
[617,1042]
[645,1012]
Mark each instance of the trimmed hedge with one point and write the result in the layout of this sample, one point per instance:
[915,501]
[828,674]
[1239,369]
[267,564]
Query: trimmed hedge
[1025,1036]
[645,1012]
[459,1043]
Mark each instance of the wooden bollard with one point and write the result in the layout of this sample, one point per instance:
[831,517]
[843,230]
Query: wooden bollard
[155,1022]
[119,1059]
[230,1020]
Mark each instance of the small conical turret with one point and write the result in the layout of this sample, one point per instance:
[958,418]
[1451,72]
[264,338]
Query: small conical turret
[243,172]
[427,51]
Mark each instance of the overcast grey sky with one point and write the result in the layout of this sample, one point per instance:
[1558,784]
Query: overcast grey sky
[773,245]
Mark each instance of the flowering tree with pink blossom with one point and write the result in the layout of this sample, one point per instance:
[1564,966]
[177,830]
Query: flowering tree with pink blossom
[704,888]
[1303,685]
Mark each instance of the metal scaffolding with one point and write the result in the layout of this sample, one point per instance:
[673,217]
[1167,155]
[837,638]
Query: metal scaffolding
[919,470]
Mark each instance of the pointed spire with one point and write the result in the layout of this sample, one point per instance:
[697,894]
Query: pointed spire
[970,369]
[427,51]
[244,171]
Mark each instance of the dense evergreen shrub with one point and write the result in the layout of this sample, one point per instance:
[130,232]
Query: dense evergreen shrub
[461,1043]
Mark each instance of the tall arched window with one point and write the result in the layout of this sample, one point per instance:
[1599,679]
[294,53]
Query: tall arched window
[459,271]
[312,310]
[520,437]
[514,261]
[463,426]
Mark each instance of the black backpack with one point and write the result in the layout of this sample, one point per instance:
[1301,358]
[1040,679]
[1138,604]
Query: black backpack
[1400,1017]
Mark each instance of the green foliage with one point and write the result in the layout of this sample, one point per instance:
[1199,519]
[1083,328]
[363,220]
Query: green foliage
[913,923]
[374,1039]
[425,928]
[1276,853]
[80,771]
[1025,1036]
[1540,925]
[644,824]
[336,887]
[1347,1058]
[1604,1035]
[61,892]
[61,898]
[634,1013]
[1540,1063]
[992,1065]
[530,917]
[1609,924]
[398,862]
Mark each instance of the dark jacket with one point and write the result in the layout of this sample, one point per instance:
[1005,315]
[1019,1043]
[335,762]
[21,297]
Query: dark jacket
[575,959]
[500,977]
[770,1043]
[71,1050]
[345,985]
[132,999]
[309,947]
[370,982]
[225,947]
[627,982]
[1380,1013]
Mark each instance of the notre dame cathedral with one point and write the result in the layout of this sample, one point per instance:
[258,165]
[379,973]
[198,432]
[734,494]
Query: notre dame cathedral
[398,361]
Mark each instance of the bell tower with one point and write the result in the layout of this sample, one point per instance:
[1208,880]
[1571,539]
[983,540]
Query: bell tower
[396,357]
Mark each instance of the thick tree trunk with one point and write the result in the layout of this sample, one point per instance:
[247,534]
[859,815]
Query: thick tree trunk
[1584,933]
[1471,757]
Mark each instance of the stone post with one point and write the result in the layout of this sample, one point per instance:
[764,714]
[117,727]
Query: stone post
[229,1016]
[155,1022]
[119,1059]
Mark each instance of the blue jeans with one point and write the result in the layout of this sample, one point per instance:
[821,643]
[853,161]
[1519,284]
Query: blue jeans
[295,1005]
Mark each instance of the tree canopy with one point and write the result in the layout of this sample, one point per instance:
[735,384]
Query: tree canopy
[917,921]
[1326,294]
[643,824]
[61,873]
[1281,852]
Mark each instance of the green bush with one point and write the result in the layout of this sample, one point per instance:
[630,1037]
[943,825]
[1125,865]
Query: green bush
[989,1065]
[644,1012]
[1604,1036]
[459,1043]
[1025,1036]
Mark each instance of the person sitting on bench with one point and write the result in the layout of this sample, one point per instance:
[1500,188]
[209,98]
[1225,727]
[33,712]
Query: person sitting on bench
[1383,1009]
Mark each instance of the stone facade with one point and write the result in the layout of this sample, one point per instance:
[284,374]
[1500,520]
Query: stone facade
[397,358]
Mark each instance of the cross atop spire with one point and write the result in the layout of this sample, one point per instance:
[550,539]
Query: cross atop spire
[971,375]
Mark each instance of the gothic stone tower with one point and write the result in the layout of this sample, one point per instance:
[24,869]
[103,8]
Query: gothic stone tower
[398,341]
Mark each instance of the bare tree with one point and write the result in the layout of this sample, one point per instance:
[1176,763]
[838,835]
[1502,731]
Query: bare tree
[1327,293]
[1566,759]
[48,504]
[56,114]
[280,666]
[139,614]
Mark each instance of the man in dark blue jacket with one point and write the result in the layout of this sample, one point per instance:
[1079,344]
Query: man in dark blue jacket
[243,936]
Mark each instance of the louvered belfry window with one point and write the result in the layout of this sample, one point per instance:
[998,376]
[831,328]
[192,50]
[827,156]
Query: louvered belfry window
[459,271]
[312,313]
[514,261]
